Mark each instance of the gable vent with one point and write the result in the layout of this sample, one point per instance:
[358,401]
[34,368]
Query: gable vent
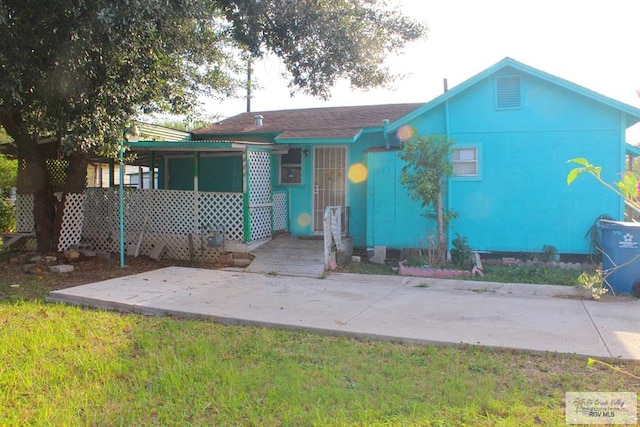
[508,92]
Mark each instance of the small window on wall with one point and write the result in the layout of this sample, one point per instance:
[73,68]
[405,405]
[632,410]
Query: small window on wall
[291,167]
[464,161]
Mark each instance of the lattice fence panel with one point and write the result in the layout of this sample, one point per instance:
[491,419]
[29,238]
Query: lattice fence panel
[101,226]
[260,223]
[155,217]
[259,177]
[222,211]
[172,212]
[72,220]
[280,211]
[260,194]
[24,213]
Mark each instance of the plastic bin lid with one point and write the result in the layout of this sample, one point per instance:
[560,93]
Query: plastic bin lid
[611,223]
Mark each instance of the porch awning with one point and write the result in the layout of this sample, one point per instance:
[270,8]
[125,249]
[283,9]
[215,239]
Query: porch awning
[143,149]
[632,150]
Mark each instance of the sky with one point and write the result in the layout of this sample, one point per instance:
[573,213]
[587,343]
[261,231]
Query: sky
[590,42]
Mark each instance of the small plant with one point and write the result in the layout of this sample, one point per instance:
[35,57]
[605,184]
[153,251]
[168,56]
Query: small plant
[461,252]
[593,283]
[549,253]
[7,214]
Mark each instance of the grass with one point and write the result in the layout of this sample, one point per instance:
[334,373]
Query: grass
[64,365]
[540,274]
[70,366]
[533,274]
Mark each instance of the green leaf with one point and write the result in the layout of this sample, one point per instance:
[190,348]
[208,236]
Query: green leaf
[573,174]
[580,160]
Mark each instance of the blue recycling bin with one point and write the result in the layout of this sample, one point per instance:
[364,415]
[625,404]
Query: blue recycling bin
[620,242]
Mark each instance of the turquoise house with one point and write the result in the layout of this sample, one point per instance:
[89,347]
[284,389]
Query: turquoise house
[514,129]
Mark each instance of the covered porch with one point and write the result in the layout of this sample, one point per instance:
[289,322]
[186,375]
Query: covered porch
[185,224]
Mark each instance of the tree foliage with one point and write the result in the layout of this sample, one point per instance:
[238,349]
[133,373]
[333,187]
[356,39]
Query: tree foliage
[75,71]
[425,174]
[8,172]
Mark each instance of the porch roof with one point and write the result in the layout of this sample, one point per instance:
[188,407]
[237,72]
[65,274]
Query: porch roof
[323,125]
[144,149]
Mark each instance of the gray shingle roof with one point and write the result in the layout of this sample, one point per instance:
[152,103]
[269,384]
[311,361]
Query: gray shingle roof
[311,123]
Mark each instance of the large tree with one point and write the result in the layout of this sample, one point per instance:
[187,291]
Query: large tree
[74,72]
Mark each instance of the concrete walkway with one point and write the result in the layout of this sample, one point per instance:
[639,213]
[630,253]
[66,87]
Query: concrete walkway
[529,317]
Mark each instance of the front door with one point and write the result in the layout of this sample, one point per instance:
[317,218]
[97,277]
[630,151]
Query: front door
[329,181]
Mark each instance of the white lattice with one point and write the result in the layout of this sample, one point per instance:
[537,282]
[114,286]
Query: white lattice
[154,217]
[72,220]
[260,194]
[280,211]
[260,223]
[222,212]
[101,219]
[24,213]
[259,177]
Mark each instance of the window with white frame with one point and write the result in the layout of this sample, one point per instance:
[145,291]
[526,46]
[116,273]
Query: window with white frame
[291,167]
[464,161]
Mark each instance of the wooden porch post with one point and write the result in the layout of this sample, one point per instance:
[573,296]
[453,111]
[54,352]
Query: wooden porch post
[152,171]
[112,173]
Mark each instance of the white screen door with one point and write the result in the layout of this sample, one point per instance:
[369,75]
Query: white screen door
[329,181]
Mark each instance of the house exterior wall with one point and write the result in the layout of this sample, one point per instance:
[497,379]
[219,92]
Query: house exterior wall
[298,195]
[520,201]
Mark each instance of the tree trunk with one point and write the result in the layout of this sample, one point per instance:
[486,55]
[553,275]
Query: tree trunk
[39,181]
[41,188]
[441,252]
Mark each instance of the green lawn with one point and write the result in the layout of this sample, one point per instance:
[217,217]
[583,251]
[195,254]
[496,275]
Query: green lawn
[69,366]
[62,365]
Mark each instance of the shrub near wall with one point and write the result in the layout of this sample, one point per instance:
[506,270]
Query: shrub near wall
[7,215]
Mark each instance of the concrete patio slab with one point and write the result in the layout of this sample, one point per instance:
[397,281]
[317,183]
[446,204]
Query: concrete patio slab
[527,317]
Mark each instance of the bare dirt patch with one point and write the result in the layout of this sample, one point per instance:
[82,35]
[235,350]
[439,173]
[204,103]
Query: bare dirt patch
[23,277]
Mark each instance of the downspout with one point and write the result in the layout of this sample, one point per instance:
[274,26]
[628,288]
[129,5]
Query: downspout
[622,166]
[447,130]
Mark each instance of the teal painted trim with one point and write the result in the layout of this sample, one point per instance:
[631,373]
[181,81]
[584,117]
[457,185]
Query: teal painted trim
[632,114]
[121,202]
[152,170]
[632,149]
[160,145]
[260,136]
[317,141]
[196,170]
[246,211]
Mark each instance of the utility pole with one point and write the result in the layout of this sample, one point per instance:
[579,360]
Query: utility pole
[249,85]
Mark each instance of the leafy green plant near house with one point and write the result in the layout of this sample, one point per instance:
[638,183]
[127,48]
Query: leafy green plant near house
[461,252]
[549,253]
[428,165]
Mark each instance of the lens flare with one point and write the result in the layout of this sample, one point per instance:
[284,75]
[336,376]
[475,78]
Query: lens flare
[358,173]
[304,220]
[405,132]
